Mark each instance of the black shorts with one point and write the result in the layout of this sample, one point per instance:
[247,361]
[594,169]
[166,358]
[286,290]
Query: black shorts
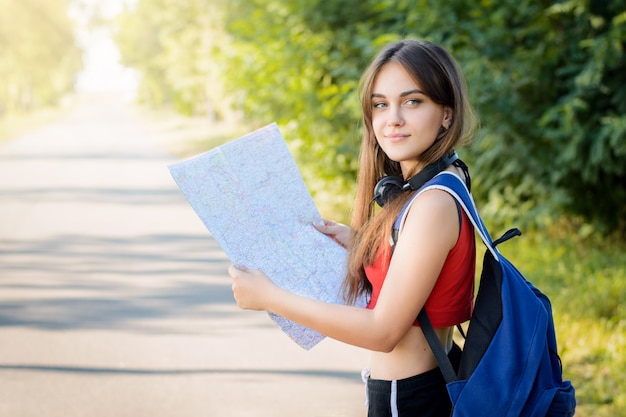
[423,395]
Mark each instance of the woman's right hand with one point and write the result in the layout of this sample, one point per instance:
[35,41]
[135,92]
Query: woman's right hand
[251,288]
[339,232]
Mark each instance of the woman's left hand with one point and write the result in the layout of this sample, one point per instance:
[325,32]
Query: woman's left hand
[251,288]
[340,233]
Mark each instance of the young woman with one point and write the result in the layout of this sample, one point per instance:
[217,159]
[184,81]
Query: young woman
[415,111]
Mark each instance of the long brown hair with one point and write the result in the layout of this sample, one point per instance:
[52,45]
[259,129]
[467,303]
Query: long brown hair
[441,79]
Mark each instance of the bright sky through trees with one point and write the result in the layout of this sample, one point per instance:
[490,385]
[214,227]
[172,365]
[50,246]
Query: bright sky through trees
[102,70]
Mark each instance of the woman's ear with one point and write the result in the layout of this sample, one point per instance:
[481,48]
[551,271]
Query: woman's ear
[447,118]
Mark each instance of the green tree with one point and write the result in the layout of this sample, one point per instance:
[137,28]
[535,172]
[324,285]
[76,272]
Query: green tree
[141,47]
[547,78]
[307,84]
[173,44]
[39,58]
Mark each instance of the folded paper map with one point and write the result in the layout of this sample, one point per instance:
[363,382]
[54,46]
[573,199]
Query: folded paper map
[252,199]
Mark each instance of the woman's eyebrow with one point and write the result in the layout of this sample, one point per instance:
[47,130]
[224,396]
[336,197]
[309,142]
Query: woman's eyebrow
[403,94]
[414,91]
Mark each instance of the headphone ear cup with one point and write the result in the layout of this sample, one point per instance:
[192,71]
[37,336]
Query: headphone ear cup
[387,189]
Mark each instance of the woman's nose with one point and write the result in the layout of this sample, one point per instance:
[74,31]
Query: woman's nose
[394,118]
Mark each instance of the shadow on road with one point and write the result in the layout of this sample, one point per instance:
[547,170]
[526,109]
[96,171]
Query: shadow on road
[146,196]
[94,233]
[345,375]
[82,282]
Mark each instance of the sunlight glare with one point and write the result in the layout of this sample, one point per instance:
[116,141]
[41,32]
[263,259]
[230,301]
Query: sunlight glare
[102,70]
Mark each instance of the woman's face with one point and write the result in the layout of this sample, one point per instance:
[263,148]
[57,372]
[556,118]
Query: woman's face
[406,121]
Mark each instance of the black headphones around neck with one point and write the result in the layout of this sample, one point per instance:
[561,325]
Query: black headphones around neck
[390,187]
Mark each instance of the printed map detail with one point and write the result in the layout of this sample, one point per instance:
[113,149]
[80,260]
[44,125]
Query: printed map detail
[251,197]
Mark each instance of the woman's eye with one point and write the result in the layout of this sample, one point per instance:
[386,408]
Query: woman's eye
[379,105]
[413,101]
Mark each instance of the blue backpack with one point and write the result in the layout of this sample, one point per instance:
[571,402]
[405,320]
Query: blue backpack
[509,365]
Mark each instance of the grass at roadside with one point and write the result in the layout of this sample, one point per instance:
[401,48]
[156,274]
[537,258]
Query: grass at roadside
[184,136]
[585,280]
[13,125]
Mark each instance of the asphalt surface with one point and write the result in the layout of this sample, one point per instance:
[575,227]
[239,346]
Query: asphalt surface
[115,300]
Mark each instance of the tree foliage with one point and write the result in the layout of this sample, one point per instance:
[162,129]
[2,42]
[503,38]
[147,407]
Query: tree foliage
[39,58]
[552,96]
[547,78]
[178,47]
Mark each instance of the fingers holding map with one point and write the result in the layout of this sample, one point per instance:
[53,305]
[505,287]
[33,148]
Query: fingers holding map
[252,199]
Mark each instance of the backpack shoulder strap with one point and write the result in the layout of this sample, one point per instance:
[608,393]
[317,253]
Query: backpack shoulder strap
[454,186]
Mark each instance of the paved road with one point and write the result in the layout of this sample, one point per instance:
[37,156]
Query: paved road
[114,300]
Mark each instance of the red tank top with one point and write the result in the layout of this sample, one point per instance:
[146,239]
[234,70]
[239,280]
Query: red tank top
[452,299]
